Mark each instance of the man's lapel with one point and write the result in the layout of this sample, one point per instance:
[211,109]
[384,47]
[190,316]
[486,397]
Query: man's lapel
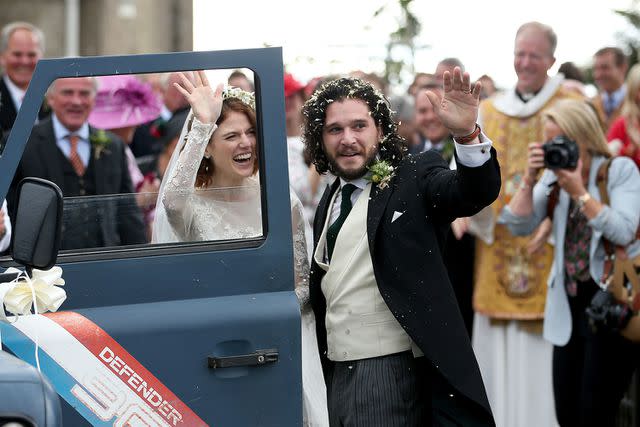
[377,204]
[49,152]
[99,166]
[7,107]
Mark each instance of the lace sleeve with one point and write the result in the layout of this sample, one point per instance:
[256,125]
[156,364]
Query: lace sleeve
[298,170]
[300,259]
[182,177]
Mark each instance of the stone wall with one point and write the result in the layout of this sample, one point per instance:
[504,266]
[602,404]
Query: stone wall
[109,27]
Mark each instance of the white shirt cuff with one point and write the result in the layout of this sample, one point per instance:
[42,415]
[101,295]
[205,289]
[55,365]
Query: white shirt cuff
[474,155]
[6,239]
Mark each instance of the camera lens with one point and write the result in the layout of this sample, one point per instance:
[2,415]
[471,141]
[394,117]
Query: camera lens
[555,157]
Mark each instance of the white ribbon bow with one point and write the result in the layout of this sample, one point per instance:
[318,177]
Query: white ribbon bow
[41,290]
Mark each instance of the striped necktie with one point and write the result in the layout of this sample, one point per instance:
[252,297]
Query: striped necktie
[74,157]
[345,208]
[609,105]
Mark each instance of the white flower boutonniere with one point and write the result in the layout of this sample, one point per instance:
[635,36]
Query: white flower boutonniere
[99,141]
[380,173]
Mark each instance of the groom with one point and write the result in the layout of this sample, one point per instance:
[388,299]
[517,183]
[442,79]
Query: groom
[393,343]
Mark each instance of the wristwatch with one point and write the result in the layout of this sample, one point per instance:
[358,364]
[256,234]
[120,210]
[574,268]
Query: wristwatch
[582,200]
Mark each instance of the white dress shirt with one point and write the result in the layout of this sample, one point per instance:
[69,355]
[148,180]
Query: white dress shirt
[16,93]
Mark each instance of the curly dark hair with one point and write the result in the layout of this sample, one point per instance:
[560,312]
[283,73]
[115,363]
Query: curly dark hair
[391,148]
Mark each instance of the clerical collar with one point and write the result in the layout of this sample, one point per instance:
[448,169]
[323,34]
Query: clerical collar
[526,97]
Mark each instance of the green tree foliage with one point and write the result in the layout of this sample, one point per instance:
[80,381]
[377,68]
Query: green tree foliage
[631,41]
[401,39]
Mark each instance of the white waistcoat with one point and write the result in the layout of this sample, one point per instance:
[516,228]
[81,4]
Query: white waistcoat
[359,323]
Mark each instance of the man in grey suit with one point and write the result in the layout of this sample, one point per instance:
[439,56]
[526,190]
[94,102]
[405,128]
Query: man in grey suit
[83,162]
[392,341]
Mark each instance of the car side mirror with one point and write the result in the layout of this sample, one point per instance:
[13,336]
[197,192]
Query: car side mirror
[38,224]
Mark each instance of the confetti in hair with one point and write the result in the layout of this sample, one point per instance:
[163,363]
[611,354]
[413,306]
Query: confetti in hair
[392,146]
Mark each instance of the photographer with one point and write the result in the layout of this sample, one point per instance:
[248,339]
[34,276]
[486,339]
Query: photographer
[591,369]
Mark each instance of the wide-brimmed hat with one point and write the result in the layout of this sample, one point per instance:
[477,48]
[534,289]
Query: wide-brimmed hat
[291,85]
[123,101]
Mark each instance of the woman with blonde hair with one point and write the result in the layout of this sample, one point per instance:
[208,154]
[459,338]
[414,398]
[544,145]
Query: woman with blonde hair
[591,369]
[624,133]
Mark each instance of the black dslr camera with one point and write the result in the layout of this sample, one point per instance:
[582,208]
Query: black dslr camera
[605,313]
[561,153]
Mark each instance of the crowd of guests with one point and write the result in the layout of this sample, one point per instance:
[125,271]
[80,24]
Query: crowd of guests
[522,276]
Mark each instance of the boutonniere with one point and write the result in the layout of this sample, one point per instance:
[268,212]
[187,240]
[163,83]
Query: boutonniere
[158,128]
[380,173]
[99,141]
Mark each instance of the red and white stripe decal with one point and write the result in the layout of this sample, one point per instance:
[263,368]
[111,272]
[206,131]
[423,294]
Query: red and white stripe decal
[114,385]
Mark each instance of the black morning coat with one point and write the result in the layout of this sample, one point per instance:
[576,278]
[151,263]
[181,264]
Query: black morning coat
[8,111]
[411,276]
[121,221]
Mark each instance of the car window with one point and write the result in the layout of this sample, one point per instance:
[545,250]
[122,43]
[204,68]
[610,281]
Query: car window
[108,142]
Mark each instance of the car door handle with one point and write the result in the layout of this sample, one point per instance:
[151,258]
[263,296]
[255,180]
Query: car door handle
[257,358]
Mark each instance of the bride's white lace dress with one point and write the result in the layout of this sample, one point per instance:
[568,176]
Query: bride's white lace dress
[235,213]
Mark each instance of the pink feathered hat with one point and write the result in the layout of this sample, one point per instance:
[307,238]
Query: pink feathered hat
[123,101]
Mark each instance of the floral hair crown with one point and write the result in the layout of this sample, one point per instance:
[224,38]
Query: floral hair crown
[235,92]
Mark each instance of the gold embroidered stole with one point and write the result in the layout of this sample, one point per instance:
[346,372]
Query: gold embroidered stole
[509,283]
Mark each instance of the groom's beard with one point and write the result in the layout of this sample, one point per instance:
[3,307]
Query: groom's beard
[351,174]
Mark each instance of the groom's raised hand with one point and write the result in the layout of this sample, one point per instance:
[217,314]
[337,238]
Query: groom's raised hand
[458,107]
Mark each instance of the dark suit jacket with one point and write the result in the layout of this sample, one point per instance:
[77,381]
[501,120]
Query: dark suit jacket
[8,111]
[120,220]
[412,277]
[446,150]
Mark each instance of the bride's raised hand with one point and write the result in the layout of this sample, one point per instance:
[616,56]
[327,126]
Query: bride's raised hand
[205,102]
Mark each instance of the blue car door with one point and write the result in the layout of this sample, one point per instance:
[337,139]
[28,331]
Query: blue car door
[181,334]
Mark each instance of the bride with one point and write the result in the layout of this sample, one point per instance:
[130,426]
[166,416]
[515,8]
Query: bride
[211,192]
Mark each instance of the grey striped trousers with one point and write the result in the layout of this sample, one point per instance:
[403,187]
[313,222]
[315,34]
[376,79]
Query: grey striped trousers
[385,391]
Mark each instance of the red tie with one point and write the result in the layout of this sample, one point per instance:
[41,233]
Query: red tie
[74,157]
